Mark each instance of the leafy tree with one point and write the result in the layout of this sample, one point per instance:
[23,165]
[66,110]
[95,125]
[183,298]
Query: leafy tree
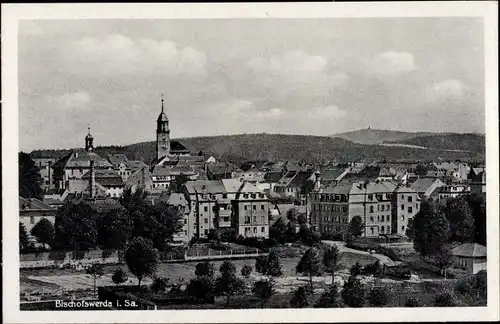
[30,180]
[43,231]
[159,284]
[378,297]
[373,268]
[300,298]
[269,265]
[311,264]
[331,260]
[214,235]
[477,203]
[263,289]
[246,271]
[302,219]
[95,271]
[201,288]
[292,215]
[119,276]
[141,258]
[444,300]
[144,225]
[356,269]
[24,242]
[204,269]
[329,298]
[413,302]
[228,234]
[228,283]
[459,215]
[444,258]
[278,230]
[75,226]
[307,187]
[431,227]
[178,183]
[356,226]
[353,293]
[291,232]
[114,229]
[135,201]
[169,220]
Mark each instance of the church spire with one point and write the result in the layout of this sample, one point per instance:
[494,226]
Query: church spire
[162,110]
[89,142]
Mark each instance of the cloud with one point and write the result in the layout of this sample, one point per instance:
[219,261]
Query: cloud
[392,63]
[451,89]
[118,54]
[78,99]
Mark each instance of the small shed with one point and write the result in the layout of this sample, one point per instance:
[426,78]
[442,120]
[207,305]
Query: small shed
[471,257]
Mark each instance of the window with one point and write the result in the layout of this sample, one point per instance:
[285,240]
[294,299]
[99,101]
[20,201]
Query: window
[247,219]
[185,221]
[262,207]
[255,230]
[371,228]
[205,231]
[371,218]
[402,207]
[402,228]
[245,195]
[410,198]
[246,207]
[205,208]
[370,197]
[382,229]
[205,220]
[224,196]
[402,196]
[383,207]
[255,219]
[262,219]
[388,218]
[383,220]
[402,217]
[252,195]
[262,229]
[388,229]
[254,207]
[410,210]
[371,209]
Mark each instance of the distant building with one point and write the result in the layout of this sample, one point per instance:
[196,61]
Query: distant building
[46,167]
[32,210]
[427,187]
[477,178]
[471,257]
[179,201]
[453,190]
[222,170]
[109,180]
[291,184]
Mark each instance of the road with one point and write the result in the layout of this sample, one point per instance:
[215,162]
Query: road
[342,248]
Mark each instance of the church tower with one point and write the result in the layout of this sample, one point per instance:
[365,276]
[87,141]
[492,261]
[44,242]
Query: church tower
[89,142]
[162,134]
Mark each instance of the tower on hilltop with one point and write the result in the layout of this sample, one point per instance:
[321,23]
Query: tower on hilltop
[162,134]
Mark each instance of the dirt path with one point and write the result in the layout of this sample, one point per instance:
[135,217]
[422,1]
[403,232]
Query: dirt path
[342,248]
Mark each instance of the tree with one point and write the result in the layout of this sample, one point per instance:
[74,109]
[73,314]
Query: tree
[269,265]
[43,231]
[24,242]
[159,284]
[431,229]
[378,297]
[214,235]
[30,180]
[444,300]
[444,258]
[246,271]
[329,298]
[141,258]
[413,302]
[302,219]
[114,229]
[144,225]
[331,260]
[201,288]
[178,183]
[311,264]
[356,226]
[291,232]
[204,269]
[477,203]
[459,215]
[278,230]
[300,298]
[135,201]
[353,293]
[95,271]
[75,226]
[119,276]
[169,221]
[263,289]
[228,283]
[356,269]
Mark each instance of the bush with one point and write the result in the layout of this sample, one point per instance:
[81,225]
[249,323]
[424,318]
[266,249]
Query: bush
[356,269]
[159,284]
[300,298]
[201,288]
[119,276]
[353,293]
[464,286]
[204,269]
[444,300]
[373,269]
[413,302]
[246,271]
[378,297]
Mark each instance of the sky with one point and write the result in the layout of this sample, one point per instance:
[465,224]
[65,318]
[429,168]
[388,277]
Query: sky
[233,76]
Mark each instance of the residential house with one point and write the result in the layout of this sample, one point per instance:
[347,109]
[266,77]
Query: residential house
[406,204]
[427,187]
[471,257]
[179,201]
[292,183]
[477,180]
[32,210]
[222,170]
[109,180]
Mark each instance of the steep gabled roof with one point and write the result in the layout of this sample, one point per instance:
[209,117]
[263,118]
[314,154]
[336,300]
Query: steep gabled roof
[81,159]
[33,204]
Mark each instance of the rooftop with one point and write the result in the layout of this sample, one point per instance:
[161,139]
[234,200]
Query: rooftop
[470,250]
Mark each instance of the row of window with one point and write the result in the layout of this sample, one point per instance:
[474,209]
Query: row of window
[335,219]
[262,219]
[381,218]
[248,230]
[254,207]
[335,208]
[329,197]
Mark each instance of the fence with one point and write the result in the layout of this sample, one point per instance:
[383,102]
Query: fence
[61,259]
[223,254]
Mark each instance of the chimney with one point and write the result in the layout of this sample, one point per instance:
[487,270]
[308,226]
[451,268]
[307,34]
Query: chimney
[92,180]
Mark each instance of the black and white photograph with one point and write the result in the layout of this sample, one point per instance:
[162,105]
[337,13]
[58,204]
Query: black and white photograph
[337,162]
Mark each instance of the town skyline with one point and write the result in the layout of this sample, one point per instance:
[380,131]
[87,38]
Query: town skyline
[306,77]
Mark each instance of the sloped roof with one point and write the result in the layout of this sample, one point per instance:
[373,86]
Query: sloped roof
[81,159]
[422,184]
[33,204]
[470,250]
[176,199]
[331,173]
[341,189]
[222,167]
[205,186]
[404,189]
[374,187]
[176,146]
[273,176]
[160,170]
[135,165]
[117,159]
